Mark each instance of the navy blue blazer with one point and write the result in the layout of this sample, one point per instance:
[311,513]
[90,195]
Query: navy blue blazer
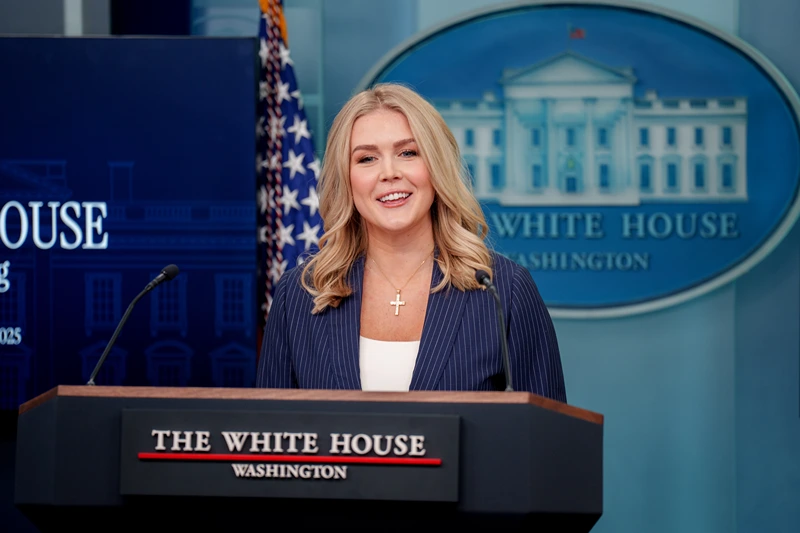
[459,348]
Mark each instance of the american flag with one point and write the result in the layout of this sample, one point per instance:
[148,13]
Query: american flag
[289,223]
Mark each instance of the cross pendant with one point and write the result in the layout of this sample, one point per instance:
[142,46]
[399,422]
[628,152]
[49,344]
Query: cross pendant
[397,303]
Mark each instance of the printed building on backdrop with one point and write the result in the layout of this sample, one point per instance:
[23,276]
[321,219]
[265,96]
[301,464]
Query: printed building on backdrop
[569,131]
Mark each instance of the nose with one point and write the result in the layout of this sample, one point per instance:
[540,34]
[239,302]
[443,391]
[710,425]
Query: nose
[389,170]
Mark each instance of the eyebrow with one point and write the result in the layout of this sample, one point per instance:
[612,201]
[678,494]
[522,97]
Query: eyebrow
[398,144]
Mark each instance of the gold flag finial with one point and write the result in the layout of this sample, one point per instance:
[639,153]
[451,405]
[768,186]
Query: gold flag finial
[274,10]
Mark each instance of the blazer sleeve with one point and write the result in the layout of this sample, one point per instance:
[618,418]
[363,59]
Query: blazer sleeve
[275,362]
[532,343]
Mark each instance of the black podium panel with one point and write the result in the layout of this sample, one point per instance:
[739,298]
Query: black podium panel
[517,465]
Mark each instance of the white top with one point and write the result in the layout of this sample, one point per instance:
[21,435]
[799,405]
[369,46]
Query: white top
[387,365]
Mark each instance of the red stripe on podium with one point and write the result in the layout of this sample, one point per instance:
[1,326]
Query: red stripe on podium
[257,458]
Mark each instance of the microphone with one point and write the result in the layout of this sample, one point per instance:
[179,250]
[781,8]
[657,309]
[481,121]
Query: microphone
[167,273]
[483,278]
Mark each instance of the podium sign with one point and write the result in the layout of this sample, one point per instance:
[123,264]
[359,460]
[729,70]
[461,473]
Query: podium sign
[304,454]
[200,459]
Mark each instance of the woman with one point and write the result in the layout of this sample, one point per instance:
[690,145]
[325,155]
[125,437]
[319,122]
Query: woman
[391,301]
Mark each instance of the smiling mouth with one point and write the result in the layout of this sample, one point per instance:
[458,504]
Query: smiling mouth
[395,196]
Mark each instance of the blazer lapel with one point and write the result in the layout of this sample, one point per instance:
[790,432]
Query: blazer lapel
[344,326]
[442,320]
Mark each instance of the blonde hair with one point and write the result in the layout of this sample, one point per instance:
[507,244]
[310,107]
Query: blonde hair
[459,226]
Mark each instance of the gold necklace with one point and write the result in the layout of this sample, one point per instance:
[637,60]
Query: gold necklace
[397,301]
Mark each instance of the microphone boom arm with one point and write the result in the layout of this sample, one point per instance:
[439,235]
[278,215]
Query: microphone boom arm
[114,336]
[167,274]
[503,341]
[483,278]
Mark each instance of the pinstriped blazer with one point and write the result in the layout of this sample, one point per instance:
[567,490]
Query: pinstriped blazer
[459,348]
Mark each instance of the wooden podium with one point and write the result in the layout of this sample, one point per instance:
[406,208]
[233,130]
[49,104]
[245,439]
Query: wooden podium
[179,459]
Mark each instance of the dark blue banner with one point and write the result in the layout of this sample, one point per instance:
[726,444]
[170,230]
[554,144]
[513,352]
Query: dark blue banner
[119,156]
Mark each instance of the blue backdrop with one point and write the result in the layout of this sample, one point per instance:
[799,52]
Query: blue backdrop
[147,147]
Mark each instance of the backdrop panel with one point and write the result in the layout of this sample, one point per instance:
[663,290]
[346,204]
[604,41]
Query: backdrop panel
[119,156]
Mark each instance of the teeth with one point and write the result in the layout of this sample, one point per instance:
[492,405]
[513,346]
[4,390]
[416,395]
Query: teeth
[393,196]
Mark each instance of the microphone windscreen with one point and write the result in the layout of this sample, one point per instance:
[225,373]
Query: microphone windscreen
[483,277]
[170,271]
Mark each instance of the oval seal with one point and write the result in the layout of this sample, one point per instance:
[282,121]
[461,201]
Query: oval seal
[631,158]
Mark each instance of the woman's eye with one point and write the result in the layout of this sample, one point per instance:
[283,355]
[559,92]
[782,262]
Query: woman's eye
[366,159]
[408,153]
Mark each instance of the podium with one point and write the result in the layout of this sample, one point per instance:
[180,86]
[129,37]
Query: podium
[202,459]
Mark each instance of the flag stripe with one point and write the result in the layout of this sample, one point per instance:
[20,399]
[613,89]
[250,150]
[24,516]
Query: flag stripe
[286,163]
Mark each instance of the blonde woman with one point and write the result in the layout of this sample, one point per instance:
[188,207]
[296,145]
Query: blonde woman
[391,301]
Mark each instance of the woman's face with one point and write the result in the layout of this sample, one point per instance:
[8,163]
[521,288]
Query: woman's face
[391,184]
